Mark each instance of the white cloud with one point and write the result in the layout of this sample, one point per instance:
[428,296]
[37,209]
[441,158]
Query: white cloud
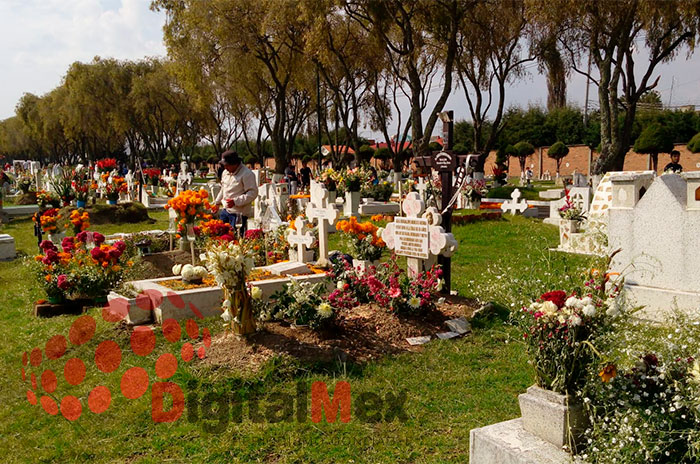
[41,38]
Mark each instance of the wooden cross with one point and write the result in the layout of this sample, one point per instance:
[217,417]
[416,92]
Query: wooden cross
[515,204]
[300,238]
[320,209]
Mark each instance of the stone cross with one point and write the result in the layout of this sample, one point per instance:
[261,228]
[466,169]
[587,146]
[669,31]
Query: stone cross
[422,188]
[320,208]
[515,204]
[418,236]
[300,238]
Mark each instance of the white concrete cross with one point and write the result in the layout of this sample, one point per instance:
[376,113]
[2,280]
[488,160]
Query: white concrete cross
[422,188]
[515,204]
[300,238]
[419,235]
[320,209]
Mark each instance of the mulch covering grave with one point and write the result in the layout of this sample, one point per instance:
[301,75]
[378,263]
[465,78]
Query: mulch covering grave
[364,333]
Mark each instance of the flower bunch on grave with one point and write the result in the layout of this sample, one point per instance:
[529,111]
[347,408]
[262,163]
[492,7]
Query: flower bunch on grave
[254,243]
[387,285]
[114,186]
[475,190]
[380,192]
[499,174]
[364,239]
[329,178]
[78,270]
[106,165]
[152,176]
[230,265]
[561,329]
[570,210]
[25,183]
[79,220]
[49,220]
[192,206]
[81,186]
[645,407]
[216,229]
[276,245]
[47,199]
[302,303]
[63,186]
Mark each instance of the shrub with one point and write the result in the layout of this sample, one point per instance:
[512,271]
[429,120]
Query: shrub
[694,144]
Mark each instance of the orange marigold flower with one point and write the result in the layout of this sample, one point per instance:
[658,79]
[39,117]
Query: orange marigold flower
[608,373]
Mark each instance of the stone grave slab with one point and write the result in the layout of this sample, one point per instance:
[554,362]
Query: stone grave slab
[288,267]
[509,443]
[379,207]
[414,341]
[7,247]
[552,194]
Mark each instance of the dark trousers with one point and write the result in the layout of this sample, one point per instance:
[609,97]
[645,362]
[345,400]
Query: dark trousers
[233,219]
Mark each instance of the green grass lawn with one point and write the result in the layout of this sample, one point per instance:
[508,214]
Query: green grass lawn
[451,387]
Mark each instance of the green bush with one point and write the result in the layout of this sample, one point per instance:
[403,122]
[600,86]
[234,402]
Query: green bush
[380,192]
[694,144]
[460,149]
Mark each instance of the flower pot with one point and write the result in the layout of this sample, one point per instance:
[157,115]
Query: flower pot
[80,203]
[554,417]
[57,237]
[111,202]
[567,228]
[352,204]
[332,195]
[56,299]
[474,204]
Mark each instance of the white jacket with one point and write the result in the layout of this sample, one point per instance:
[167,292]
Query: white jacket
[241,187]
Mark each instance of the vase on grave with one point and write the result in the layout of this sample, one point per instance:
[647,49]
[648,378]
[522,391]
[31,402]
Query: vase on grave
[80,203]
[57,238]
[554,417]
[352,204]
[111,202]
[56,299]
[362,265]
[567,227]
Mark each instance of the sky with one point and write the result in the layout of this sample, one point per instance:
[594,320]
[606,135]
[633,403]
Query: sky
[41,38]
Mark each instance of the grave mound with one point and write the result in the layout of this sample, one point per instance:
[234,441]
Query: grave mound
[368,332]
[123,213]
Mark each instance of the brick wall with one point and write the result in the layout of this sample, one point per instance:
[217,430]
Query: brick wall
[578,159]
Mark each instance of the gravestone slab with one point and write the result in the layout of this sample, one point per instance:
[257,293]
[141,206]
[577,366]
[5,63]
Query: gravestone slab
[288,268]
[509,443]
[7,248]
[552,194]
[459,325]
[413,341]
[446,335]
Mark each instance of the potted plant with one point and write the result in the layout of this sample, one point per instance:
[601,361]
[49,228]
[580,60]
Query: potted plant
[48,221]
[571,217]
[303,304]
[114,187]
[79,220]
[24,183]
[153,178]
[63,186]
[474,191]
[81,187]
[560,331]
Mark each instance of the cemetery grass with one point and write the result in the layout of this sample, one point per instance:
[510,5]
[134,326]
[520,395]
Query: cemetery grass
[451,386]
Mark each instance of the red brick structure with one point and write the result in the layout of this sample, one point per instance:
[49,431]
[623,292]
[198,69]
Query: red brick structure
[581,157]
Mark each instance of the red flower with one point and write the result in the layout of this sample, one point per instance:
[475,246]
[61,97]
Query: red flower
[558,297]
[63,282]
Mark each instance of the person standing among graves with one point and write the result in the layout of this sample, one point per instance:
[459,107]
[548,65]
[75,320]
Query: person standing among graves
[674,166]
[528,175]
[291,178]
[238,191]
[305,173]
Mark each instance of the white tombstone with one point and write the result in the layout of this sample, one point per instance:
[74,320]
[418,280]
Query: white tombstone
[580,180]
[656,229]
[352,204]
[281,195]
[422,188]
[418,236]
[7,247]
[514,205]
[303,239]
[321,210]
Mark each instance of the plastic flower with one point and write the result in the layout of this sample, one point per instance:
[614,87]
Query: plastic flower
[325,310]
[256,293]
[226,315]
[340,285]
[414,302]
[589,310]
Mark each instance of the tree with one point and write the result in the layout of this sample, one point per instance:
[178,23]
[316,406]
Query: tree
[694,144]
[557,152]
[611,32]
[365,153]
[522,151]
[653,140]
[419,38]
[491,53]
[256,50]
[460,149]
[551,62]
